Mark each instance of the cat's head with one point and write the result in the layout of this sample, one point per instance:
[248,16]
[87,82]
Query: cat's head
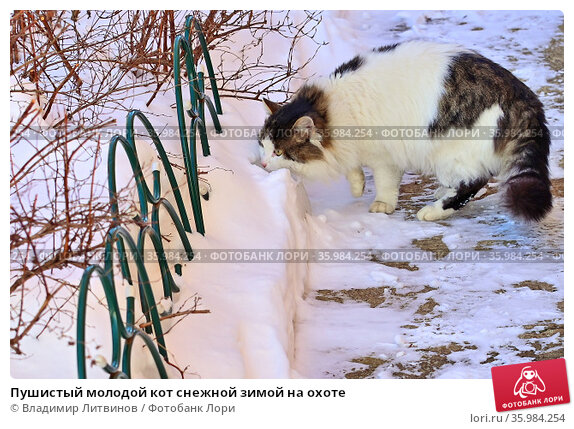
[293,136]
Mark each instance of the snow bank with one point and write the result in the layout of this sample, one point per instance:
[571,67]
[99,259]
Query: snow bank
[249,331]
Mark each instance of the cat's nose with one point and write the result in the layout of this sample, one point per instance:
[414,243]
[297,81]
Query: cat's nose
[263,164]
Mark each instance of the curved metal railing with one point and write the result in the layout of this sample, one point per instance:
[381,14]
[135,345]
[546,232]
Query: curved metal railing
[119,241]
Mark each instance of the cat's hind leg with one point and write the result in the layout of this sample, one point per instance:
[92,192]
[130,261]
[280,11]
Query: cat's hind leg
[387,181]
[453,199]
[356,178]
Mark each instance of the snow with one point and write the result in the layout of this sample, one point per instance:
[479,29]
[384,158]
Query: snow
[298,320]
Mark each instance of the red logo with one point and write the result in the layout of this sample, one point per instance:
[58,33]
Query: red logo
[534,384]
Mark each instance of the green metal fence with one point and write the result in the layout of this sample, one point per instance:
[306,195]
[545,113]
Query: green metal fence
[120,245]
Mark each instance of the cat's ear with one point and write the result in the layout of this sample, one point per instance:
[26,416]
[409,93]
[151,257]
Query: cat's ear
[303,128]
[270,106]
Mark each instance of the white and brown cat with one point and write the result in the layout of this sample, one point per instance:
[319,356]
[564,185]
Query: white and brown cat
[431,89]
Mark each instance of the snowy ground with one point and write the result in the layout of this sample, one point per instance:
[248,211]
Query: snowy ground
[375,318]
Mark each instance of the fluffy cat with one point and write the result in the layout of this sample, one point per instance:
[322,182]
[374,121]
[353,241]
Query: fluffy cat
[429,88]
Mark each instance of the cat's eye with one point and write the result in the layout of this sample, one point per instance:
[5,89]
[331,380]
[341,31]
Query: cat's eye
[278,152]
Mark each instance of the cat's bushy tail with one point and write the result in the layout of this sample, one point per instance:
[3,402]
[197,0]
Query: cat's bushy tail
[528,193]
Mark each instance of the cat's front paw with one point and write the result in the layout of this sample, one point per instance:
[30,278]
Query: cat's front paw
[356,178]
[434,212]
[381,207]
[357,189]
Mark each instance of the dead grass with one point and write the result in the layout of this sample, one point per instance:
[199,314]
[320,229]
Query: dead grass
[414,194]
[401,265]
[432,359]
[536,285]
[427,307]
[434,244]
[371,363]
[558,187]
[484,245]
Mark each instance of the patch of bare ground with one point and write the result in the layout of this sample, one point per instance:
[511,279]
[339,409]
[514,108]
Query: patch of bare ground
[401,265]
[557,187]
[369,366]
[427,307]
[536,285]
[491,358]
[483,245]
[537,335]
[374,296]
[435,245]
[543,329]
[553,56]
[329,295]
[554,52]
[414,194]
[432,359]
